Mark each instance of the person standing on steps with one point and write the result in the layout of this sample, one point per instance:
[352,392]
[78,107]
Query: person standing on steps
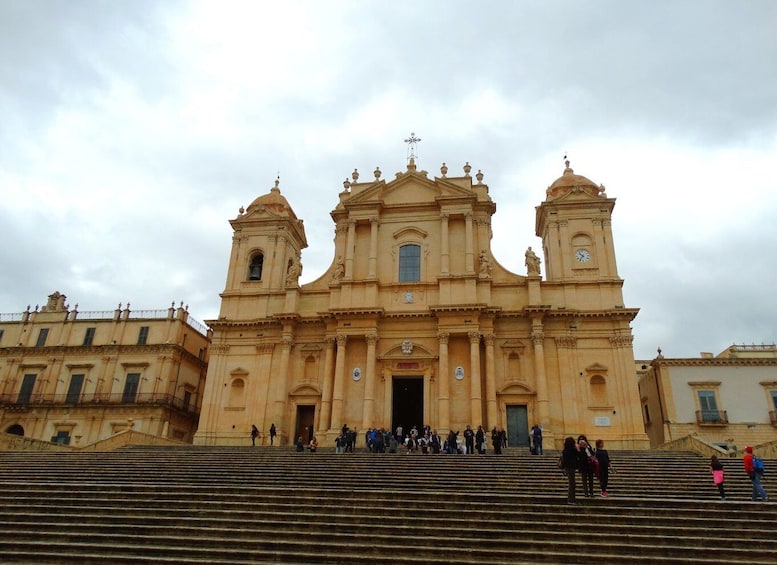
[536,436]
[273,433]
[716,468]
[754,474]
[480,440]
[300,445]
[569,464]
[586,466]
[605,465]
[469,440]
[254,434]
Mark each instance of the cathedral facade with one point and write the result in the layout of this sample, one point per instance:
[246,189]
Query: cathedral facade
[416,323]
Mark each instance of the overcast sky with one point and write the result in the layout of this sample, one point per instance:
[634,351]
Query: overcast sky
[132,131]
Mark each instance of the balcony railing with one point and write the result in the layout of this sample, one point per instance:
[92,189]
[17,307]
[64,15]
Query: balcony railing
[714,417]
[89,400]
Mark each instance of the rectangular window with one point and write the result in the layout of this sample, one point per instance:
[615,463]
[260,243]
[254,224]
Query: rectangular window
[130,388]
[62,438]
[187,399]
[25,392]
[410,263]
[774,399]
[74,389]
[143,335]
[89,337]
[42,336]
[709,406]
[647,414]
[1,335]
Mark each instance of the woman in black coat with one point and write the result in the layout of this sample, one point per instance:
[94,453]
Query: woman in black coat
[569,463]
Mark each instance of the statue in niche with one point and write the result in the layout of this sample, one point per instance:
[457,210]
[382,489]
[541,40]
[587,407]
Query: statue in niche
[532,262]
[293,273]
[339,271]
[485,264]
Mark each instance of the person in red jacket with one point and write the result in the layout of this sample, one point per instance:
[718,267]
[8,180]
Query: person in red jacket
[755,476]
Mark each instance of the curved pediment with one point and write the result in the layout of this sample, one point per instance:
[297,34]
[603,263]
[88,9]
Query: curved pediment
[305,390]
[519,387]
[408,350]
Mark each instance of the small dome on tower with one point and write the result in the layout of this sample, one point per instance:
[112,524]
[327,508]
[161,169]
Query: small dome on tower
[570,182]
[274,202]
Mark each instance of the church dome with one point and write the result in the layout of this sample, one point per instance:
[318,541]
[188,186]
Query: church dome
[273,202]
[570,182]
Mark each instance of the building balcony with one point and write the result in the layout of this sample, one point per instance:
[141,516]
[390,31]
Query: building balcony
[14,403]
[712,417]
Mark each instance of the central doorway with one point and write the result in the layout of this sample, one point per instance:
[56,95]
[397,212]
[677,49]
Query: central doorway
[517,426]
[407,408]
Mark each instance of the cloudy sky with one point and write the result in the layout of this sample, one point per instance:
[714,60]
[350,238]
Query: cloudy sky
[132,131]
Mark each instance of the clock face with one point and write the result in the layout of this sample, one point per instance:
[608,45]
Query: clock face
[583,255]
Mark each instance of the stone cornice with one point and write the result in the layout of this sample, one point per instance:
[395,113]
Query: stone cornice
[714,361]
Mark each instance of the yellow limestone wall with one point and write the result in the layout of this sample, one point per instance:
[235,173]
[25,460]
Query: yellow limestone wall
[483,340]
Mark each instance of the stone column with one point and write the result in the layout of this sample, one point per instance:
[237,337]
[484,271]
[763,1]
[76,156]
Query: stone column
[368,415]
[325,421]
[349,246]
[445,267]
[538,337]
[281,386]
[444,384]
[339,384]
[373,261]
[469,254]
[490,383]
[474,370]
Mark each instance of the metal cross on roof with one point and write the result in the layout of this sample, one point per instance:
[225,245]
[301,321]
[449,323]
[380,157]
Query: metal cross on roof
[412,146]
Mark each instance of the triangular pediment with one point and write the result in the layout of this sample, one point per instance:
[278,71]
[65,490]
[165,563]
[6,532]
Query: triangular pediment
[409,188]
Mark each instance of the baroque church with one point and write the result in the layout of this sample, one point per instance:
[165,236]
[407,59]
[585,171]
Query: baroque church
[416,323]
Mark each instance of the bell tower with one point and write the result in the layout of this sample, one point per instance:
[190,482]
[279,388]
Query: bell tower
[574,223]
[265,261]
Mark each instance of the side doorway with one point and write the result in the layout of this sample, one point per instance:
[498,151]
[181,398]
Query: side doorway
[517,426]
[306,416]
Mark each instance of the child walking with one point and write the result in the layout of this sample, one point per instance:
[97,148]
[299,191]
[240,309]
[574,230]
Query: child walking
[716,468]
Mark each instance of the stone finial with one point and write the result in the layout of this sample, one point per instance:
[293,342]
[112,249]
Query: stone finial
[355,175]
[467,169]
[241,211]
[479,176]
[444,170]
[377,173]
[346,184]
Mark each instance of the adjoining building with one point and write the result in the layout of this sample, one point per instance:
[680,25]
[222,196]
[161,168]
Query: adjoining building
[415,322]
[74,378]
[729,400]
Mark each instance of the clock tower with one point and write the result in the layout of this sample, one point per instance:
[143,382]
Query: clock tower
[574,224]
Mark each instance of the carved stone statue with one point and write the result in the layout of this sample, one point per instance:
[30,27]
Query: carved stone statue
[532,262]
[339,271]
[485,264]
[293,273]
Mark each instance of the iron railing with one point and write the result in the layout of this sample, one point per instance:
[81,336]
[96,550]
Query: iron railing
[711,417]
[90,400]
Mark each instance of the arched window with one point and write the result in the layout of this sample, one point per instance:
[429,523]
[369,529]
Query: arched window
[410,263]
[255,267]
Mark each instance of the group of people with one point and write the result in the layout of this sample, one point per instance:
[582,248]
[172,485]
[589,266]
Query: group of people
[255,434]
[753,468]
[589,461]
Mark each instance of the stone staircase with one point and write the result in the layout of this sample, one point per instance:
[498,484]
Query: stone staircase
[271,505]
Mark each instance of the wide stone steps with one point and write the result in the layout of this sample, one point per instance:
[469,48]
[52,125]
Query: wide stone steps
[244,505]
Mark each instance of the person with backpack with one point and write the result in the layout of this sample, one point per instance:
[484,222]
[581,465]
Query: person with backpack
[754,468]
